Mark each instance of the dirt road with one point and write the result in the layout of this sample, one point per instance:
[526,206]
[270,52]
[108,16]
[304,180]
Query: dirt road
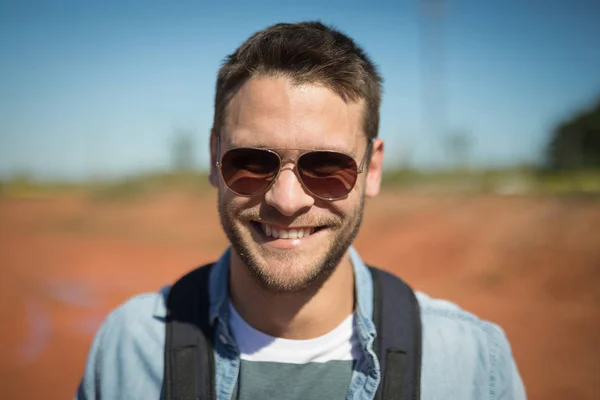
[530,264]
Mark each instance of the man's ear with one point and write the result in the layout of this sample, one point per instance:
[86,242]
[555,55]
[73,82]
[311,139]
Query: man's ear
[213,177]
[374,171]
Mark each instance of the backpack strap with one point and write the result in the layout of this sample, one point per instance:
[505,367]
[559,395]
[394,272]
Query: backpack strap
[398,343]
[189,370]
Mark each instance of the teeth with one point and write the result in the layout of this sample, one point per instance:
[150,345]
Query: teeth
[286,233]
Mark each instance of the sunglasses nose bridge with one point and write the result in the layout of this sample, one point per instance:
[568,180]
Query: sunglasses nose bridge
[287,192]
[286,166]
[287,163]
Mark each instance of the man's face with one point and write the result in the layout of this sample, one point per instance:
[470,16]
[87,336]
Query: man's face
[272,112]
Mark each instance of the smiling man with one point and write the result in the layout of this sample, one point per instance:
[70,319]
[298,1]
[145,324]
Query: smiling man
[290,311]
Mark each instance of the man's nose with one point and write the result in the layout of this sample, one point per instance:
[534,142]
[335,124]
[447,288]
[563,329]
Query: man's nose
[287,194]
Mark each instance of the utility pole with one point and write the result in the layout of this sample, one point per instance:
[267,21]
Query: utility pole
[433,106]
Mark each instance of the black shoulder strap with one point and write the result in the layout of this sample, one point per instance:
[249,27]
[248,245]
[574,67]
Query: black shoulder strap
[189,361]
[398,343]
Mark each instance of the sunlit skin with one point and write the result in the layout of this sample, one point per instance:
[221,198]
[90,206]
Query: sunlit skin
[293,288]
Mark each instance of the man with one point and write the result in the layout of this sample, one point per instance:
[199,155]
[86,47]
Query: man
[294,153]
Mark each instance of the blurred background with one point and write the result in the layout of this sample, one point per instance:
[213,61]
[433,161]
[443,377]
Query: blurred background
[491,119]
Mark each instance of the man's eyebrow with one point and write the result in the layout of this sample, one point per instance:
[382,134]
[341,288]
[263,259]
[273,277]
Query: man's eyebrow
[315,148]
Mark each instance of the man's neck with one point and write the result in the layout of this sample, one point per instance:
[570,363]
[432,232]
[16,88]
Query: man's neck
[298,315]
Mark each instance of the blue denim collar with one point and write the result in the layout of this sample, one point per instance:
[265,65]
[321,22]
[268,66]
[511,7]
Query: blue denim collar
[219,285]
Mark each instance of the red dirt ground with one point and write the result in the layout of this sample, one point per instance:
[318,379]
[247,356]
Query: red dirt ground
[530,264]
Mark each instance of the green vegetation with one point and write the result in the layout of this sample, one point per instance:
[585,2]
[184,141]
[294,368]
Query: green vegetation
[509,181]
[129,188]
[148,184]
[26,187]
[575,143]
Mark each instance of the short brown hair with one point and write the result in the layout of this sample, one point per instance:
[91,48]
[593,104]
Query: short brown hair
[306,52]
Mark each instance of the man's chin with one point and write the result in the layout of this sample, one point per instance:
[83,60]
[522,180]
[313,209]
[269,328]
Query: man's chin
[287,279]
[283,270]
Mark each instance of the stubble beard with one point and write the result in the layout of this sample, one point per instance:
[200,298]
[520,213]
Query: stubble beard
[235,223]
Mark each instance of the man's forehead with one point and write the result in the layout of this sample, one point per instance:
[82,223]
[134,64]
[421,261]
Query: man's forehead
[279,95]
[345,146]
[273,112]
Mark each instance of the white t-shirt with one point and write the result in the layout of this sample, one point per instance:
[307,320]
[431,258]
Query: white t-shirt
[295,369]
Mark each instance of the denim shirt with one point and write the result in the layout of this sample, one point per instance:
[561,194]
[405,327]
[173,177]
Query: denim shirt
[464,357]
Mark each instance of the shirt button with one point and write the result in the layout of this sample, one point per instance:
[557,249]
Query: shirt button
[223,339]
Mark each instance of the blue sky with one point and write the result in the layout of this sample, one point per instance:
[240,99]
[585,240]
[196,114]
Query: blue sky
[97,89]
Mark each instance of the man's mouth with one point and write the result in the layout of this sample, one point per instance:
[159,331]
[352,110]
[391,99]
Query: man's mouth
[278,232]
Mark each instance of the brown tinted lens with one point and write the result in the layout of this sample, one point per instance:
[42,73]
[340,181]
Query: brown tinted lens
[327,174]
[249,171]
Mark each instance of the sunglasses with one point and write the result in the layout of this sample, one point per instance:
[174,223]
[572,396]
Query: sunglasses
[327,175]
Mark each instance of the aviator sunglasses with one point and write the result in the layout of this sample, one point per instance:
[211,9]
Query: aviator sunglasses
[328,175]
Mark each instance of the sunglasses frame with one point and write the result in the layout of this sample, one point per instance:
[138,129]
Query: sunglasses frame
[294,161]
